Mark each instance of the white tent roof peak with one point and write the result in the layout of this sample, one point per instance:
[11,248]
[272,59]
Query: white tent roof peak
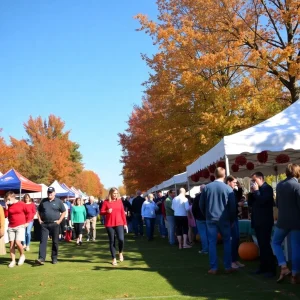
[276,134]
[42,194]
[58,188]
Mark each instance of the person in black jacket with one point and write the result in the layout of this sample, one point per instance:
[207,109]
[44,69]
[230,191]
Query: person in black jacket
[200,222]
[235,233]
[288,203]
[159,201]
[262,202]
[136,209]
[127,209]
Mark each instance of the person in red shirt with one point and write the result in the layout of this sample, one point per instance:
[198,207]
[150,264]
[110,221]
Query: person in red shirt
[115,222]
[18,217]
[32,210]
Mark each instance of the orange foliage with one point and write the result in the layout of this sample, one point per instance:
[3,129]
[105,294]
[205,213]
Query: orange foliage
[219,69]
[122,190]
[89,182]
[7,156]
[47,155]
[50,151]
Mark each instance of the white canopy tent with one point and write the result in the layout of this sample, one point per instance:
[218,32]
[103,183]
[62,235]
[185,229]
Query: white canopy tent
[40,195]
[174,181]
[277,135]
[59,190]
[75,191]
[83,195]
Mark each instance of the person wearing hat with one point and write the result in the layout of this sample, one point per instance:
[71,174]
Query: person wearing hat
[51,212]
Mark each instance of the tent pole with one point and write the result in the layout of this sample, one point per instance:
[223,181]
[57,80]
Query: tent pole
[188,184]
[227,165]
[175,189]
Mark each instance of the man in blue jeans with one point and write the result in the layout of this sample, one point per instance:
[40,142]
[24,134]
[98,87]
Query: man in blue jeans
[217,203]
[200,222]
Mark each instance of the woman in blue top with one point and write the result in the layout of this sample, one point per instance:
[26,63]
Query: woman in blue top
[78,217]
[149,216]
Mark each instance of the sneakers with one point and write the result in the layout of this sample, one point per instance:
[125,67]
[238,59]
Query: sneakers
[39,262]
[12,264]
[88,239]
[240,265]
[21,260]
[27,248]
[234,266]
[114,262]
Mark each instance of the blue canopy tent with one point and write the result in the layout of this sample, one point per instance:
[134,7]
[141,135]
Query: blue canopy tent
[14,181]
[72,194]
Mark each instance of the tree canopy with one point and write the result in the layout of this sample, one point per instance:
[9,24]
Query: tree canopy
[48,154]
[221,66]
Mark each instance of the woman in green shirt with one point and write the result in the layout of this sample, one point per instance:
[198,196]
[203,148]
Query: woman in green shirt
[78,217]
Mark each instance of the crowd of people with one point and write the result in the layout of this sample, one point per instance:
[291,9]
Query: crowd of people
[52,219]
[215,210]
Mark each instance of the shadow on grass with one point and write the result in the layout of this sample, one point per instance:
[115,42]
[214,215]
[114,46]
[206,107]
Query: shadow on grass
[186,270]
[151,269]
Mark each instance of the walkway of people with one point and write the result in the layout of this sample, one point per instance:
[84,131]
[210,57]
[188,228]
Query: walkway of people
[155,270]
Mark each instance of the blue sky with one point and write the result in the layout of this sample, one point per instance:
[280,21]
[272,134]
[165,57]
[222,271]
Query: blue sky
[79,60]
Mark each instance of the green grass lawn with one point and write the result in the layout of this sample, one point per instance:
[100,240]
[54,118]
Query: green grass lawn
[151,270]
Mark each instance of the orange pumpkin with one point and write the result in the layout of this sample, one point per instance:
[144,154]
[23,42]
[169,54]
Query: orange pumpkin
[248,251]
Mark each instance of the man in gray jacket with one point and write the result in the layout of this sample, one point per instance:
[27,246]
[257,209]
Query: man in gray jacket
[217,203]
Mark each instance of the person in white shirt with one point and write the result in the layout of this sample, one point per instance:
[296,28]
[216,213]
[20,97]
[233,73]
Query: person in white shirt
[180,205]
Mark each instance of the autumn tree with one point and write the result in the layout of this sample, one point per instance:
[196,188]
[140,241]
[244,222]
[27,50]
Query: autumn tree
[89,182]
[7,156]
[104,193]
[122,190]
[47,154]
[150,152]
[207,80]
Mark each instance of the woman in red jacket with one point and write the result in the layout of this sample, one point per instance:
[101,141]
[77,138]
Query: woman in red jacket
[18,217]
[115,222]
[32,210]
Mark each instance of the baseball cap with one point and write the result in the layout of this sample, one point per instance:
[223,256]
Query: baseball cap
[51,189]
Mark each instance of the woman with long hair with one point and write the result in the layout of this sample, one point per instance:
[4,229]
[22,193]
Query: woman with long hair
[78,217]
[32,210]
[115,222]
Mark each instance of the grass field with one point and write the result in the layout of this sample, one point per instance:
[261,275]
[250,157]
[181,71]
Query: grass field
[151,270]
